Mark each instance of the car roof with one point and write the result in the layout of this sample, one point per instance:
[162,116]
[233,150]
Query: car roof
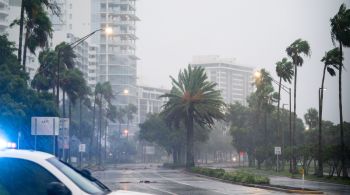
[25,154]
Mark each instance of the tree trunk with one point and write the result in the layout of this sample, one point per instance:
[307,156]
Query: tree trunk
[21,22]
[343,158]
[80,119]
[295,117]
[25,49]
[278,112]
[189,142]
[70,125]
[320,104]
[93,128]
[64,104]
[99,135]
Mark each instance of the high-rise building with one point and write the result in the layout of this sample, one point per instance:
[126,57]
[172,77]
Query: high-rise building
[4,12]
[233,80]
[149,101]
[92,69]
[117,62]
[117,59]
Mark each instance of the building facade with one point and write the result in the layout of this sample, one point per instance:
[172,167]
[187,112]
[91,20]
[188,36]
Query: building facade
[4,12]
[92,69]
[149,101]
[233,80]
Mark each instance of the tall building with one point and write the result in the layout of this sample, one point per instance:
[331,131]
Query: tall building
[117,59]
[117,62]
[149,101]
[233,80]
[4,12]
[92,69]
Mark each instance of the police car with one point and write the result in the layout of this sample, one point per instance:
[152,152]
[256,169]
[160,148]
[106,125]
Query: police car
[38,173]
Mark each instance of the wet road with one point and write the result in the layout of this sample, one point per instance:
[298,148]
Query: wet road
[166,181]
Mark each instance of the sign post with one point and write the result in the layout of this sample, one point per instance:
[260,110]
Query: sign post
[82,148]
[277,152]
[45,126]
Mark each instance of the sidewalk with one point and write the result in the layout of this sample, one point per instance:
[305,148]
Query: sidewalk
[327,188]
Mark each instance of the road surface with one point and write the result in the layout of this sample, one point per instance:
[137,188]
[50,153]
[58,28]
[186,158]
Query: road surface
[154,180]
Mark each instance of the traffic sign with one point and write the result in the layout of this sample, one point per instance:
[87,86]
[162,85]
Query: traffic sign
[82,147]
[278,150]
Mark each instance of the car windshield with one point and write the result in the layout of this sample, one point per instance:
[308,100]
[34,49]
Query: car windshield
[82,182]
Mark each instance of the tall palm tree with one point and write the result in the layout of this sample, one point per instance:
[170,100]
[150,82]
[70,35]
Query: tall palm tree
[284,70]
[294,51]
[331,62]
[29,11]
[340,31]
[120,118]
[192,99]
[130,109]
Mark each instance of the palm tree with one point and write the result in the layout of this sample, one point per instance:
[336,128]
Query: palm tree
[284,70]
[31,9]
[293,51]
[192,99]
[331,62]
[340,31]
[120,118]
[131,109]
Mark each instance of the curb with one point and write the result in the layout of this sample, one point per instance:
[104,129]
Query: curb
[306,191]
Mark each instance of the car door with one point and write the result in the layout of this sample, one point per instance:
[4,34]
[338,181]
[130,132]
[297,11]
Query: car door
[19,176]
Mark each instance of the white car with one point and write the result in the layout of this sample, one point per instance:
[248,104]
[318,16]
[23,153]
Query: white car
[39,173]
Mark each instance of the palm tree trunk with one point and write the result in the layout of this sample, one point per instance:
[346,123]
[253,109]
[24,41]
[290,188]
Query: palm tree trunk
[320,94]
[64,104]
[21,21]
[93,128]
[295,117]
[70,124]
[25,49]
[278,111]
[100,133]
[80,117]
[189,148]
[342,145]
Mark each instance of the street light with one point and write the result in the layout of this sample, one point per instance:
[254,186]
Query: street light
[320,108]
[107,30]
[258,75]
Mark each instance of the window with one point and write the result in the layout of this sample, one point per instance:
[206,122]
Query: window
[18,176]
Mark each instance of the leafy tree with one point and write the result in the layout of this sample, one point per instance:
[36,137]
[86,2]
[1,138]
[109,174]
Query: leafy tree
[192,99]
[340,31]
[130,109]
[294,51]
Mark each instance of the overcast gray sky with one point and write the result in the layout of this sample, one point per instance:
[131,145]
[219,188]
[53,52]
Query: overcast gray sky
[256,32]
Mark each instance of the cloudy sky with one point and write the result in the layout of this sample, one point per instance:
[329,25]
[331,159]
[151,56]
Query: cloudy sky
[255,32]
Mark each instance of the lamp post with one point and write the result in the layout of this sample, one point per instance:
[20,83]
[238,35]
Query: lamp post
[73,45]
[320,108]
[286,89]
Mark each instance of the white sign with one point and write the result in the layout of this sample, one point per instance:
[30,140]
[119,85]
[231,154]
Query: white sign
[150,150]
[63,137]
[278,150]
[82,147]
[45,126]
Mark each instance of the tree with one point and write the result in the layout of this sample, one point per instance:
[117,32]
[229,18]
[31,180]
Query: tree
[294,51]
[120,115]
[37,23]
[340,31]
[331,62]
[284,70]
[192,99]
[131,109]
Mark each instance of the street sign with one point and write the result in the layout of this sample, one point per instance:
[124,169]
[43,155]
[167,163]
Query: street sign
[63,137]
[82,147]
[45,126]
[278,150]
[150,150]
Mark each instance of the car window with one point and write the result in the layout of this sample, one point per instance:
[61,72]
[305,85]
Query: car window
[19,176]
[86,185]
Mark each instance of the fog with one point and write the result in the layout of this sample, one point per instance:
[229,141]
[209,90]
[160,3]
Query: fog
[256,33]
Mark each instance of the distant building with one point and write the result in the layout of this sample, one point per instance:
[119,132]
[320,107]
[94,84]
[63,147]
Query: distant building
[4,12]
[149,101]
[92,69]
[233,80]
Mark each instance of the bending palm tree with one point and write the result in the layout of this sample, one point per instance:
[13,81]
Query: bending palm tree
[340,31]
[331,61]
[294,50]
[284,70]
[192,99]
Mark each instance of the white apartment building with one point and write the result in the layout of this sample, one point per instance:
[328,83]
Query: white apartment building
[92,69]
[4,12]
[233,80]
[149,101]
